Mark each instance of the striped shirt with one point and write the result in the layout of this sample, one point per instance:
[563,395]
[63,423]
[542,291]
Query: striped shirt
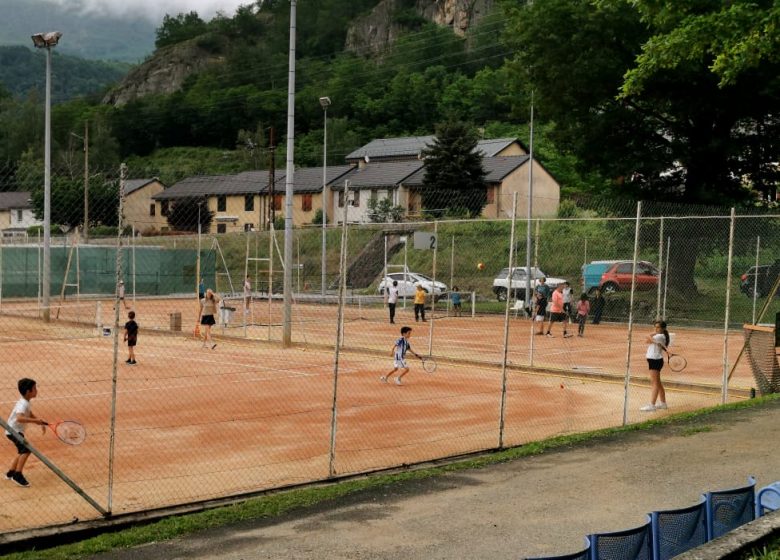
[401,346]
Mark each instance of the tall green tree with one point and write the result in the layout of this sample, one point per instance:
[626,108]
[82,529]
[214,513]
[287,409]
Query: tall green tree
[184,212]
[454,182]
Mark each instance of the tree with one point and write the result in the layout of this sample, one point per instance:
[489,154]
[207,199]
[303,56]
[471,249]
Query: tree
[382,211]
[454,180]
[183,214]
[176,29]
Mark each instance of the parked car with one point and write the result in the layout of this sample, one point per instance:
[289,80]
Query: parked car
[767,275]
[613,276]
[519,281]
[407,284]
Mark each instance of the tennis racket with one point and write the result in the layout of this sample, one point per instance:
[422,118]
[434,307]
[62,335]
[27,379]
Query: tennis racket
[428,363]
[69,431]
[676,361]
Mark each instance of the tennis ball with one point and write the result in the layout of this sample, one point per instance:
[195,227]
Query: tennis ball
[481,266]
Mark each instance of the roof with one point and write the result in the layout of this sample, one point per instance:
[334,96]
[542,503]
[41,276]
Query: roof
[309,179]
[496,169]
[249,182]
[382,174]
[15,200]
[132,185]
[411,146]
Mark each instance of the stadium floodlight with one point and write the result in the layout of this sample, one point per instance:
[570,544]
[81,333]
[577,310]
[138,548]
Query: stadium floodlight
[47,41]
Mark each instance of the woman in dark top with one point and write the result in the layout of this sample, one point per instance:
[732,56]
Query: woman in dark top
[598,307]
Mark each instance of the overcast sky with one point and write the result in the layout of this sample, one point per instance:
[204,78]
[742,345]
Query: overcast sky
[153,10]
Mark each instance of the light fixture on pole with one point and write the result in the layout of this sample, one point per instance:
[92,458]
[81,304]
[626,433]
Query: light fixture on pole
[85,139]
[47,41]
[324,103]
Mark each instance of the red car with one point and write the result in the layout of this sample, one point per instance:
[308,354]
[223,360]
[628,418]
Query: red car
[618,276]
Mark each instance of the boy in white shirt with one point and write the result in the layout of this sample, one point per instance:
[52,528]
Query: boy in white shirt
[22,414]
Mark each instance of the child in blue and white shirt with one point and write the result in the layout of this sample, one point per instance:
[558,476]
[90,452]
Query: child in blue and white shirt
[399,351]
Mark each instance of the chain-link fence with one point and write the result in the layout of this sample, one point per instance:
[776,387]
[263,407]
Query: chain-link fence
[190,421]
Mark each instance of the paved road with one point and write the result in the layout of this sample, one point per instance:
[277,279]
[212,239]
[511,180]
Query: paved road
[537,505]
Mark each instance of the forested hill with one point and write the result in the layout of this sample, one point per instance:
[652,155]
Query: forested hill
[85,34]
[23,69]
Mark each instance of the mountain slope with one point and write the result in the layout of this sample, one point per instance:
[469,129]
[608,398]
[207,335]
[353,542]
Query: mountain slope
[84,35]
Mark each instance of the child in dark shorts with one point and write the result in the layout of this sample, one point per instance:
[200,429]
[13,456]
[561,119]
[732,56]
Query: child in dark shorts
[20,416]
[131,337]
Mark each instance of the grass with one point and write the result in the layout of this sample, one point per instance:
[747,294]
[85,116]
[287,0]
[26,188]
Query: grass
[276,504]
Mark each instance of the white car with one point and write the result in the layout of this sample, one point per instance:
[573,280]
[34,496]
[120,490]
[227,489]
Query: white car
[407,284]
[519,282]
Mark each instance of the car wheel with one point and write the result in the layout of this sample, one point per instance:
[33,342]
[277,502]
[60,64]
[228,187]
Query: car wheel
[501,294]
[610,288]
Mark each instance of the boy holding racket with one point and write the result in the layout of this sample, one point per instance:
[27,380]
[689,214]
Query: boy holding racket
[22,414]
[399,356]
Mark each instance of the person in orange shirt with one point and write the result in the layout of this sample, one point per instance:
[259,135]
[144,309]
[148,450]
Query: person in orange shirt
[557,312]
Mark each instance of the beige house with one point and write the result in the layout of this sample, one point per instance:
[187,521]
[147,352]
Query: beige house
[16,213]
[139,209]
[246,201]
[506,163]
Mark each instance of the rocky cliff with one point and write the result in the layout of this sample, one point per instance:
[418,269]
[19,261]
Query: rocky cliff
[372,33]
[164,72]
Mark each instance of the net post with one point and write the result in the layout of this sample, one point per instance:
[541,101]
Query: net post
[473,304]
[755,278]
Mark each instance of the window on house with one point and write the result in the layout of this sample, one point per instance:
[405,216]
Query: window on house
[221,228]
[491,195]
[278,201]
[341,199]
[374,194]
[164,208]
[152,209]
[221,203]
[355,198]
[306,203]
[19,215]
[249,227]
[249,202]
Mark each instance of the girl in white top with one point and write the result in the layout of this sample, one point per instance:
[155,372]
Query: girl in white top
[658,342]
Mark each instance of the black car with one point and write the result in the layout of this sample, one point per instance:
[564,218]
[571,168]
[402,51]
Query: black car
[761,277]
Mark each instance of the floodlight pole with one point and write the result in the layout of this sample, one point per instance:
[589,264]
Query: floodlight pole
[528,276]
[47,41]
[288,188]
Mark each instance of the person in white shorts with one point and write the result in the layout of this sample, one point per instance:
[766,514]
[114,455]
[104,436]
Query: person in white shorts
[399,356]
[658,343]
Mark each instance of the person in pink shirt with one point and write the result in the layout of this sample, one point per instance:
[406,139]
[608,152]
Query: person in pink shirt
[583,308]
[557,313]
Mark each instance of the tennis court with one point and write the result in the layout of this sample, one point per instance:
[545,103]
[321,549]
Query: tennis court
[194,424]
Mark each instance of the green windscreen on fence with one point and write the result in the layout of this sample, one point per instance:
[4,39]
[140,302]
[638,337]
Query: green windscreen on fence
[145,270]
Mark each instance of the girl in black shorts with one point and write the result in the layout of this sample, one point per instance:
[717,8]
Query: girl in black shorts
[658,342]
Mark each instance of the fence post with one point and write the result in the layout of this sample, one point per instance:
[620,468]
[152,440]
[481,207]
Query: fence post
[725,387]
[662,271]
[666,275]
[530,281]
[506,321]
[631,313]
[755,278]
[433,288]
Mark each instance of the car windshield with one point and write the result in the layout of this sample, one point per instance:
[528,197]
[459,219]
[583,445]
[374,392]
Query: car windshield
[423,276]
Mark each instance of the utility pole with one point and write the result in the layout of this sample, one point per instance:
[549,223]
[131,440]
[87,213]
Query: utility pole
[289,181]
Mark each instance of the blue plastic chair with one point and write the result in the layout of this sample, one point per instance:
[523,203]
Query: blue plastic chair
[768,499]
[729,509]
[583,554]
[631,544]
[678,530]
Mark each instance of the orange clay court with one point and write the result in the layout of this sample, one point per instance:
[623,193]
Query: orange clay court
[195,424]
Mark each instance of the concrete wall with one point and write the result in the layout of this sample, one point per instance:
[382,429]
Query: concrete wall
[357,213]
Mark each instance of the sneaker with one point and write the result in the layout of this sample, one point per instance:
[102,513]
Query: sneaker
[648,408]
[213,346]
[661,406]
[567,335]
[550,335]
[19,479]
[580,334]
[133,363]
[383,379]
[398,381]
[9,475]
[128,361]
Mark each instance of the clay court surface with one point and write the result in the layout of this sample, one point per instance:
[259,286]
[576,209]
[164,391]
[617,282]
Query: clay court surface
[194,423]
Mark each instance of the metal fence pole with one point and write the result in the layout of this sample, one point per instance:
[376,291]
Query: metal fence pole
[506,322]
[339,335]
[661,273]
[452,271]
[755,278]
[631,313]
[666,275]
[530,281]
[433,288]
[725,387]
